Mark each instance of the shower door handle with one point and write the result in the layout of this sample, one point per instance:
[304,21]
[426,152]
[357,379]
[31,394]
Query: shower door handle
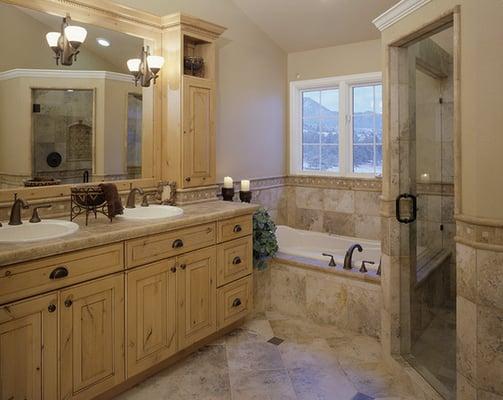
[412,218]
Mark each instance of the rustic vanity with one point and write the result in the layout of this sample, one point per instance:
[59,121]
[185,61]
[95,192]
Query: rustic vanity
[93,313]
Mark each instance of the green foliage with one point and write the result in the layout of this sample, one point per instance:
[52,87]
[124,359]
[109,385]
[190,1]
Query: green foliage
[265,244]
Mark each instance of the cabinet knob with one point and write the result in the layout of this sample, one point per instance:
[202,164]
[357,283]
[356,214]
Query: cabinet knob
[187,179]
[58,273]
[183,266]
[178,243]
[237,229]
[236,302]
[51,308]
[173,269]
[236,261]
[68,303]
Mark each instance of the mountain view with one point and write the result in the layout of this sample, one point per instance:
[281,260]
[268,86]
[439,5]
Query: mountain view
[326,155]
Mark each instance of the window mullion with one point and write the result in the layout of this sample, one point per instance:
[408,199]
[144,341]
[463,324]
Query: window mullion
[343,128]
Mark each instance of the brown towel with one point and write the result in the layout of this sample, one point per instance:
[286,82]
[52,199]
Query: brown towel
[112,198]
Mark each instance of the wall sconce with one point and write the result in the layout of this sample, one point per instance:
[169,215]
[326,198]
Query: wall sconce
[66,43]
[146,68]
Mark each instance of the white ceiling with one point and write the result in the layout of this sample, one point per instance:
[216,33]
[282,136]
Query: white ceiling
[298,25]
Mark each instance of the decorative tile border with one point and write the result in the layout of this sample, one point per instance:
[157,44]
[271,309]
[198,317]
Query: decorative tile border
[196,195]
[479,233]
[326,182]
[435,188]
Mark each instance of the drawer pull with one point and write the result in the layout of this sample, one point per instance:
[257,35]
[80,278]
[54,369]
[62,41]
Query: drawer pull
[58,273]
[236,302]
[183,266]
[237,229]
[236,261]
[68,303]
[173,269]
[177,244]
[51,308]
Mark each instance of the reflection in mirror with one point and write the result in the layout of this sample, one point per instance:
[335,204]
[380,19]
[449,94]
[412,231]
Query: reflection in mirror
[68,124]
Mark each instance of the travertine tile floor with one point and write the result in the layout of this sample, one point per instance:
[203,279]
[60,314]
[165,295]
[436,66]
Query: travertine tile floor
[312,363]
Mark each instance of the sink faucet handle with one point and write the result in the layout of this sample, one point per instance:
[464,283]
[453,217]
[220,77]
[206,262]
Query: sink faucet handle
[34,216]
[363,268]
[144,200]
[332,261]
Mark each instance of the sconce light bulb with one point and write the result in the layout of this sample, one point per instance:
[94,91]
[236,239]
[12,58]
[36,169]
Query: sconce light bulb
[75,34]
[155,62]
[53,38]
[134,65]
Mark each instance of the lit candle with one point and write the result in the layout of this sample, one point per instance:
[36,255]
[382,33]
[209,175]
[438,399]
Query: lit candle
[245,185]
[228,184]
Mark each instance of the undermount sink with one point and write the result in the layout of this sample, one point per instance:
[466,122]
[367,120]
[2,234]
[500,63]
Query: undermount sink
[150,212]
[29,232]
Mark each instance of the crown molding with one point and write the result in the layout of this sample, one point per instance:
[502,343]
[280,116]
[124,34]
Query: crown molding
[55,73]
[397,12]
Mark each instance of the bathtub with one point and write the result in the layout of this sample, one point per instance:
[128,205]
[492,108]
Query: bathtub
[299,282]
[310,245]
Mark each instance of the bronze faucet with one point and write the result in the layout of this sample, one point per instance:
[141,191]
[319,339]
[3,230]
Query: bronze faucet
[131,197]
[349,255]
[15,212]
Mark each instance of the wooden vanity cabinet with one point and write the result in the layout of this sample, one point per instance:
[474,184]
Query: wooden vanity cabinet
[196,292]
[29,349]
[92,337]
[151,310]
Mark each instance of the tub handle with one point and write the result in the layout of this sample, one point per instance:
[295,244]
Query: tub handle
[331,263]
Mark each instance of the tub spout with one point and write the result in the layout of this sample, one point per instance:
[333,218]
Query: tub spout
[348,258]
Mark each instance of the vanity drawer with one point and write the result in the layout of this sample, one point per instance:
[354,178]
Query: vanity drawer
[235,301]
[27,279]
[234,260]
[234,228]
[157,247]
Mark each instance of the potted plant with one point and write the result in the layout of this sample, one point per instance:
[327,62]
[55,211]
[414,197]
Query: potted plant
[265,244]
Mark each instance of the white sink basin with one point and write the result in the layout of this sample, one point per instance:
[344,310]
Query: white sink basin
[151,212]
[45,230]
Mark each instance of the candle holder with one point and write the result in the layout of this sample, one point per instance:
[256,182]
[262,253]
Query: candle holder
[245,197]
[228,194]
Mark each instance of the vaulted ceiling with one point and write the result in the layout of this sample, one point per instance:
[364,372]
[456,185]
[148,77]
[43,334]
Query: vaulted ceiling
[298,25]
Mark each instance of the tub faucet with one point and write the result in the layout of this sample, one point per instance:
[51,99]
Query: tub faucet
[131,197]
[349,255]
[15,212]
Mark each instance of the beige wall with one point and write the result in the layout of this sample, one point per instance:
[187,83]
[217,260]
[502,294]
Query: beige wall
[481,100]
[354,58]
[251,96]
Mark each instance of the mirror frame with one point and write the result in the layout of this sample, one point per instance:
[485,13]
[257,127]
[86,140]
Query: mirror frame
[109,15]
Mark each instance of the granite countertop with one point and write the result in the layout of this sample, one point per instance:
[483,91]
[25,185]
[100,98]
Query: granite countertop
[101,231]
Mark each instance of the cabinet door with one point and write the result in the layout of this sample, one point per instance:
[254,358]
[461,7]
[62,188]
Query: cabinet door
[151,323]
[28,349]
[198,133]
[196,291]
[92,338]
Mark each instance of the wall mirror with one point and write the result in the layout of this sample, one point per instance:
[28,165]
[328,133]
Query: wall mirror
[85,122]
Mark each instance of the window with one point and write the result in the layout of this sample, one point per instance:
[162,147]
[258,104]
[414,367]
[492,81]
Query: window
[336,126]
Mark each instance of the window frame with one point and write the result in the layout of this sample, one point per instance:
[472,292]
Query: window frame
[344,84]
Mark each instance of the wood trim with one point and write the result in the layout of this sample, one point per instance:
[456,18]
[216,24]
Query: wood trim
[192,24]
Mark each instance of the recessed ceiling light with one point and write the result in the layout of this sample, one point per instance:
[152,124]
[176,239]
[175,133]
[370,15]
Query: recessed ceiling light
[103,42]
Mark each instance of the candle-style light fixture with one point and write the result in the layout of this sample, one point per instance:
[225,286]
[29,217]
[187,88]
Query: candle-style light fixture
[146,68]
[66,43]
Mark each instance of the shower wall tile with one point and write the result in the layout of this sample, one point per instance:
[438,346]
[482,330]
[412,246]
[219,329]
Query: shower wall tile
[490,279]
[466,272]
